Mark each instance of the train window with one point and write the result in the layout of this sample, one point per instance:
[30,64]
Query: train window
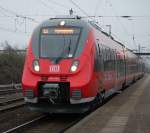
[109,51]
[106,61]
[112,59]
[99,50]
[105,54]
[96,59]
[101,53]
[101,63]
[58,42]
[108,54]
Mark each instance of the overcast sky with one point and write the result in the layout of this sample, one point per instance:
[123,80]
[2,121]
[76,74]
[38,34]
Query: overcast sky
[13,29]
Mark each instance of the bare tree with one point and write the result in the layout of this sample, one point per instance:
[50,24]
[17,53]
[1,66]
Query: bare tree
[11,64]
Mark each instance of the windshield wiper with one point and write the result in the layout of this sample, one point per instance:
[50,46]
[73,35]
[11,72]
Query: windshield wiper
[68,49]
[62,53]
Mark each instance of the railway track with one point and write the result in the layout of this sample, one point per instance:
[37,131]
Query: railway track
[53,123]
[4,91]
[26,124]
[10,89]
[11,104]
[46,124]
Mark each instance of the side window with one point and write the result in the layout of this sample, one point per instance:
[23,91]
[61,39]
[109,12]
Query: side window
[101,65]
[114,59]
[120,65]
[99,49]
[105,54]
[96,58]
[117,64]
[110,62]
[105,59]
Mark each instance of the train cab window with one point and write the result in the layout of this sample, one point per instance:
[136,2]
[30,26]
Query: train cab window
[59,42]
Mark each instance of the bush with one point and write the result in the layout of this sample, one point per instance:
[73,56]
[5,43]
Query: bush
[11,65]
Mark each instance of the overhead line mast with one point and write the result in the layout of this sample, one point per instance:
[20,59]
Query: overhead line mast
[79,8]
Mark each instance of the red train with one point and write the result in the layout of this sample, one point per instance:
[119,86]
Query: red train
[72,64]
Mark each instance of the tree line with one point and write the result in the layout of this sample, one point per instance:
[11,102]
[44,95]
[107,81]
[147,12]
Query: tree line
[11,64]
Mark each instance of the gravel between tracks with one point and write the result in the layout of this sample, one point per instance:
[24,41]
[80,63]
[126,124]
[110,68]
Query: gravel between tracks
[54,124]
[7,97]
[16,117]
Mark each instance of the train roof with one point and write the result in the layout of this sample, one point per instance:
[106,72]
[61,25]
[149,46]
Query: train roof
[76,21]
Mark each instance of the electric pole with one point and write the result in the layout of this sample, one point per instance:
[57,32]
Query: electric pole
[71,12]
[109,26]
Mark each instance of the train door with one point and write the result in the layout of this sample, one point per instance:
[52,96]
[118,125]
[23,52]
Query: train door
[120,68]
[99,65]
[100,54]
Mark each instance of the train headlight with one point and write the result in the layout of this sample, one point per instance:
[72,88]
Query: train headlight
[74,66]
[36,66]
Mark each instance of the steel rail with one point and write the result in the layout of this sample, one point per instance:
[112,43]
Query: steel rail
[9,91]
[25,124]
[10,107]
[11,101]
[10,85]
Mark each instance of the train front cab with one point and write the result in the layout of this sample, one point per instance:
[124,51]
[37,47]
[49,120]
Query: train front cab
[56,87]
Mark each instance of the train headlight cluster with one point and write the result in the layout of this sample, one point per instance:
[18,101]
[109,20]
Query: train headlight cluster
[62,23]
[74,66]
[36,65]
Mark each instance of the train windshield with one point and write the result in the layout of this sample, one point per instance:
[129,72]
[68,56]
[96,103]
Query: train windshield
[59,42]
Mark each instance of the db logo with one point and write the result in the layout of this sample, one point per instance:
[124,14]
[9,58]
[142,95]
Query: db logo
[54,68]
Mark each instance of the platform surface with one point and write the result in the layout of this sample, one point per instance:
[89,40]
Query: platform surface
[128,112]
